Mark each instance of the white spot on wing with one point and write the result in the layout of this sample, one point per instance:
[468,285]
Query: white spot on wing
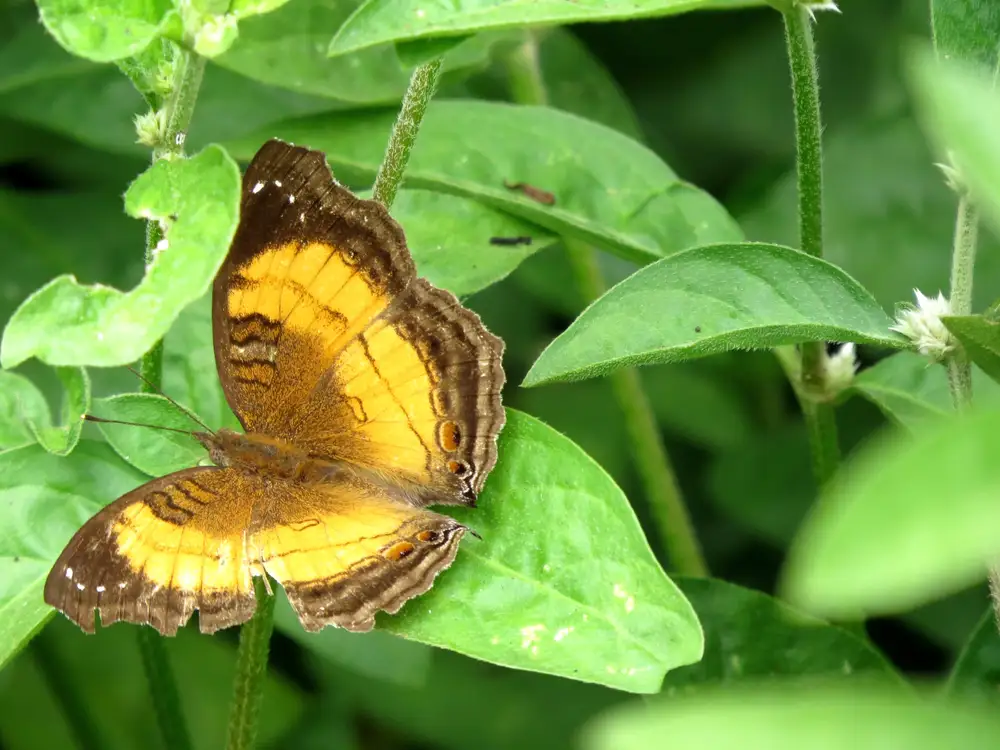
[257,188]
[291,199]
[99,589]
[80,586]
[69,573]
[277,183]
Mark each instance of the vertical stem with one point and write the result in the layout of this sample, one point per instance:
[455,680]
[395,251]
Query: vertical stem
[963,261]
[162,683]
[527,86]
[423,83]
[818,414]
[78,716]
[251,669]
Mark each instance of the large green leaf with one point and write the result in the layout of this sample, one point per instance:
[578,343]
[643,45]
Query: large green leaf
[910,519]
[907,388]
[977,669]
[381,21]
[104,30]
[609,190]
[563,581]
[966,30]
[21,405]
[62,439]
[980,337]
[959,106]
[749,636]
[44,499]
[793,717]
[65,323]
[712,299]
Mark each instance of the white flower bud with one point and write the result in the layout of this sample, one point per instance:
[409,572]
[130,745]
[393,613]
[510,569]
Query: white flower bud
[922,325]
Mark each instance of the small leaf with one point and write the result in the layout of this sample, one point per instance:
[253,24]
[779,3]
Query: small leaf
[958,106]
[44,499]
[712,299]
[104,30]
[381,21]
[153,452]
[910,519]
[21,404]
[976,671]
[61,440]
[966,30]
[749,635]
[980,337]
[608,189]
[907,388]
[66,323]
[584,599]
[793,717]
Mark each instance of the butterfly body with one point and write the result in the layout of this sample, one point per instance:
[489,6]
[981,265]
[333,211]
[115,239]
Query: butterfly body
[365,394]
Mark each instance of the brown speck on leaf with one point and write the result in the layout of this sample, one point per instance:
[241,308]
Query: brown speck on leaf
[536,194]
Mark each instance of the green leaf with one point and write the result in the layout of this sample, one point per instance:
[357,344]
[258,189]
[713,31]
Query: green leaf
[966,30]
[381,21]
[44,499]
[958,106]
[976,671]
[712,299]
[104,30]
[449,237]
[61,440]
[584,599]
[750,636]
[907,387]
[793,717]
[908,520]
[377,655]
[980,337]
[609,190]
[66,323]
[153,452]
[21,404]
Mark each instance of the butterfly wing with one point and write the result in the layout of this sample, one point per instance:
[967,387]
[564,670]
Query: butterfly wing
[156,554]
[346,550]
[325,337]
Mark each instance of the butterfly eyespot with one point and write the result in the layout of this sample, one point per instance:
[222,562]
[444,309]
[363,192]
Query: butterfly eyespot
[458,468]
[449,436]
[398,551]
[427,536]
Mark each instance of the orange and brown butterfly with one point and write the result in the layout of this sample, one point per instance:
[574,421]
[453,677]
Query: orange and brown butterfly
[366,395]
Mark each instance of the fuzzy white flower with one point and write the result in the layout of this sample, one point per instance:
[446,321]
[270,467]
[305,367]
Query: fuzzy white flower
[922,325]
[812,6]
[840,367]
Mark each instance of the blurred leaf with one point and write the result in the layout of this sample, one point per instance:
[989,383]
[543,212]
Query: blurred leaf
[792,717]
[44,499]
[377,655]
[104,30]
[153,452]
[29,55]
[106,674]
[886,209]
[585,600]
[958,107]
[609,190]
[966,30]
[64,323]
[21,404]
[469,704]
[449,237]
[980,337]
[907,388]
[61,440]
[909,519]
[712,299]
[976,671]
[381,21]
[750,636]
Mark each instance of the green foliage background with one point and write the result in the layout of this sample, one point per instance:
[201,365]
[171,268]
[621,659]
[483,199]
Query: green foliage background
[706,93]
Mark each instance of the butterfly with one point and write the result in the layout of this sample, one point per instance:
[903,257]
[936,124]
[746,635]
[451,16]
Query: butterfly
[365,394]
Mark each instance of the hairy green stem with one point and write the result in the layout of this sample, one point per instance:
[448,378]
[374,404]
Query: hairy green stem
[963,261]
[423,84]
[818,414]
[179,107]
[251,669]
[78,716]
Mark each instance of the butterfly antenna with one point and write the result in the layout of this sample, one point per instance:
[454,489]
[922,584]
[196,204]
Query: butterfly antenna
[92,418]
[153,388]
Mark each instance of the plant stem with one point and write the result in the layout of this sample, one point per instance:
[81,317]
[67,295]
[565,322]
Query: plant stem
[179,108]
[818,414]
[251,669]
[423,83]
[963,261]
